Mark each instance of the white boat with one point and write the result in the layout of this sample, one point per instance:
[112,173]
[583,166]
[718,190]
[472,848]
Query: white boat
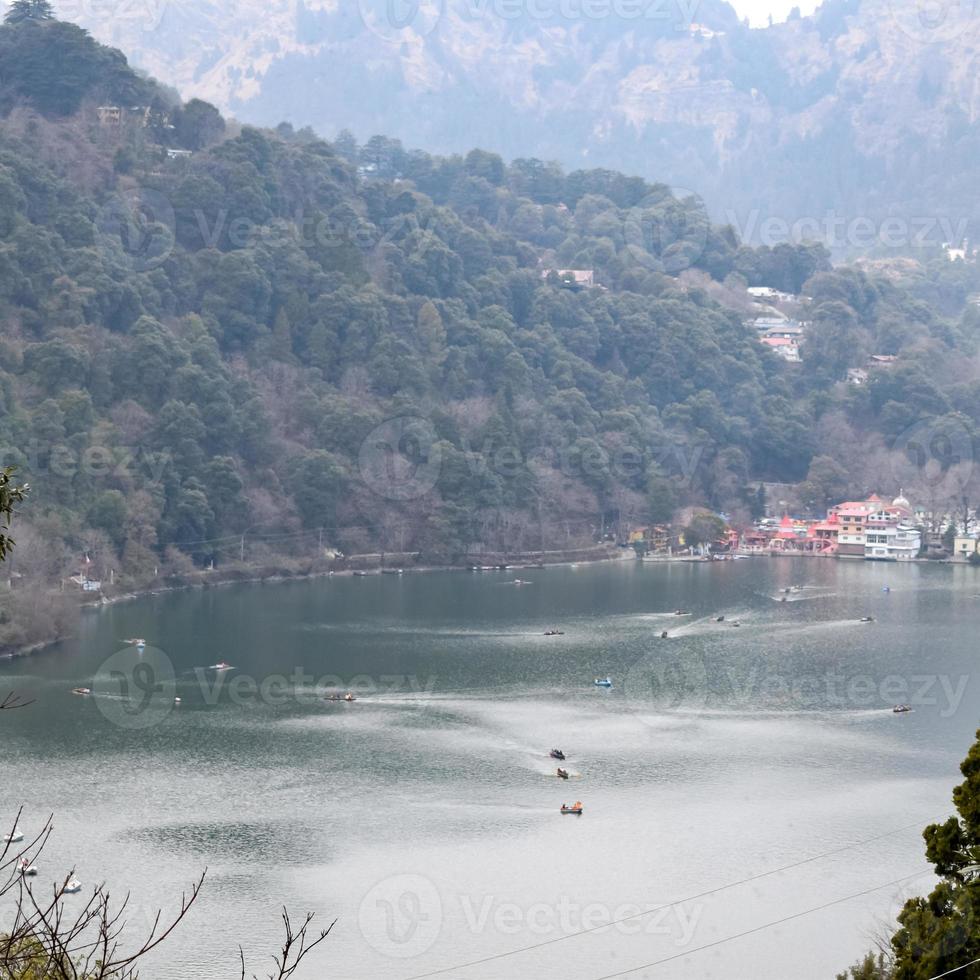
[28,870]
[221,666]
[73,887]
[14,837]
[603,682]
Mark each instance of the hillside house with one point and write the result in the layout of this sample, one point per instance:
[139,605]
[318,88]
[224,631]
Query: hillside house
[574,278]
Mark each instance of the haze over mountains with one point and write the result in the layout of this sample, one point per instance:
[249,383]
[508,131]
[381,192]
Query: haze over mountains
[866,109]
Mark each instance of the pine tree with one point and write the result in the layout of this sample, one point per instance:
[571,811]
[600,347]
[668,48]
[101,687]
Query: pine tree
[941,933]
[24,10]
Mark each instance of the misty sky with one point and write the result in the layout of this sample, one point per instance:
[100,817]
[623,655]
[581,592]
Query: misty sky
[758,11]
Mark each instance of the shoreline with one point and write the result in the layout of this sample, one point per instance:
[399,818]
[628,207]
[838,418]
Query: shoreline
[366,565]
[374,565]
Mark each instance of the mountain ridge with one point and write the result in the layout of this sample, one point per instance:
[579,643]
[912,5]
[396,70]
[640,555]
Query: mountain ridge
[860,109]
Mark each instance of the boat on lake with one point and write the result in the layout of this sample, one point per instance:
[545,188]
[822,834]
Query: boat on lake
[562,773]
[902,709]
[16,836]
[81,690]
[27,869]
[73,886]
[558,754]
[603,682]
[220,666]
[575,808]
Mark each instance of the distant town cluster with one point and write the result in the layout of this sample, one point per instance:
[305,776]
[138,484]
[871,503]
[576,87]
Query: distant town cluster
[872,529]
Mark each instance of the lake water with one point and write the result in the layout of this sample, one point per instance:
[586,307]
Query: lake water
[425,816]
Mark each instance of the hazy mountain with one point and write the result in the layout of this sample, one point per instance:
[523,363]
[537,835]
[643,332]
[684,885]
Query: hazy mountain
[864,109]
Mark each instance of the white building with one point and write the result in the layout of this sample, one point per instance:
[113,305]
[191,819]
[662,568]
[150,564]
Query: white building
[896,542]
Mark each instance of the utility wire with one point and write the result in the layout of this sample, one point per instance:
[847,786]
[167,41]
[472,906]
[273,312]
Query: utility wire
[766,925]
[954,970]
[682,901]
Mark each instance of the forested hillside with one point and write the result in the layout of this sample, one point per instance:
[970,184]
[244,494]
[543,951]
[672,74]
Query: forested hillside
[862,112]
[219,341]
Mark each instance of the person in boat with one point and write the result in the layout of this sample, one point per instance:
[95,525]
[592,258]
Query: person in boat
[664,635]
[736,623]
[720,619]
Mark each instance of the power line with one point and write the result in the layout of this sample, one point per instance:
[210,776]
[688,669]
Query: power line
[766,925]
[658,908]
[954,970]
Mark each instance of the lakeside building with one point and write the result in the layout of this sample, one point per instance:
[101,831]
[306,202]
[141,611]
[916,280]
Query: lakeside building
[853,517]
[871,530]
[965,545]
[655,539]
[895,542]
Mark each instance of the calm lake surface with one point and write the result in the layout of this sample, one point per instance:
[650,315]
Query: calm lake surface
[425,816]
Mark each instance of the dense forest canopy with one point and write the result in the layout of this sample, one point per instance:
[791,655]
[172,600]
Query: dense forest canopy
[212,332]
